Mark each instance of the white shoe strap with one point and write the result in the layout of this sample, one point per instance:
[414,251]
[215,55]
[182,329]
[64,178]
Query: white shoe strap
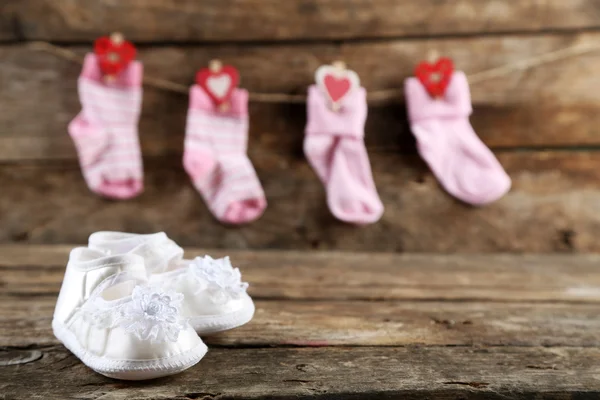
[157,249]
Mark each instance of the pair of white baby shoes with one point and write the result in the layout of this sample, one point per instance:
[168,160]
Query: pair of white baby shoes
[131,307]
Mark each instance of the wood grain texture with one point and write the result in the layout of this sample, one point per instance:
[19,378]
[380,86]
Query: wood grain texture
[329,325]
[552,207]
[546,106]
[339,286]
[331,349]
[27,320]
[328,373]
[272,20]
[37,270]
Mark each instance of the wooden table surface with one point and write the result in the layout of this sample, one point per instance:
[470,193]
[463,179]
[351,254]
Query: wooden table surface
[344,326]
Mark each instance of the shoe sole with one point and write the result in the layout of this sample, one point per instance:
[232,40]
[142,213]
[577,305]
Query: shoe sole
[214,324]
[133,370]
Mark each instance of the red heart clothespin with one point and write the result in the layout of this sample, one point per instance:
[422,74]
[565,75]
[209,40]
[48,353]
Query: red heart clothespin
[336,81]
[114,54]
[435,76]
[218,81]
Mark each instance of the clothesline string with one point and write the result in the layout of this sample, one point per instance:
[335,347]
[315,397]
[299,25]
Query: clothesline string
[375,95]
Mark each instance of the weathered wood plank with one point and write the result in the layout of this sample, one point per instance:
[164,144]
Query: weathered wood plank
[31,279]
[361,323]
[37,270]
[328,373]
[244,20]
[552,207]
[547,106]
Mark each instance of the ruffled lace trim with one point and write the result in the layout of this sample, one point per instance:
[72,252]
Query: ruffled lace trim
[218,278]
[150,313]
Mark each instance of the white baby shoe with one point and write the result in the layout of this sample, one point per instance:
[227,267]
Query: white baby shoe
[117,324]
[215,297]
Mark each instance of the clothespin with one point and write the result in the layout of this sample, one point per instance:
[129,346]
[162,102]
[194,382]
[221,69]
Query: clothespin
[218,81]
[341,67]
[336,81]
[117,39]
[433,55]
[435,73]
[215,65]
[114,54]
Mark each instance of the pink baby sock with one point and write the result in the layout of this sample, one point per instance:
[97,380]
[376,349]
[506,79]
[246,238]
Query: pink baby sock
[105,131]
[215,157]
[335,148]
[464,166]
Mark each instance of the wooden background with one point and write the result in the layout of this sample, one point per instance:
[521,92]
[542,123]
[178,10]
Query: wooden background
[407,327]
[543,123]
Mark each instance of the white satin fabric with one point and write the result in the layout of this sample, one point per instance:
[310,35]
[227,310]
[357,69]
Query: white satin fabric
[198,302]
[93,279]
[174,273]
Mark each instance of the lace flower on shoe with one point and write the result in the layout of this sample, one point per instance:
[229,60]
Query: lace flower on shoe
[223,282]
[152,314]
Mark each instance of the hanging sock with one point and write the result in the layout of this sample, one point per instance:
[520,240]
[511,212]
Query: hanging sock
[461,162]
[215,157]
[105,131]
[336,150]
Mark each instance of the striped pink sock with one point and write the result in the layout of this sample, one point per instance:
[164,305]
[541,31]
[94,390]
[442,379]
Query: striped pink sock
[215,158]
[336,150]
[105,131]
